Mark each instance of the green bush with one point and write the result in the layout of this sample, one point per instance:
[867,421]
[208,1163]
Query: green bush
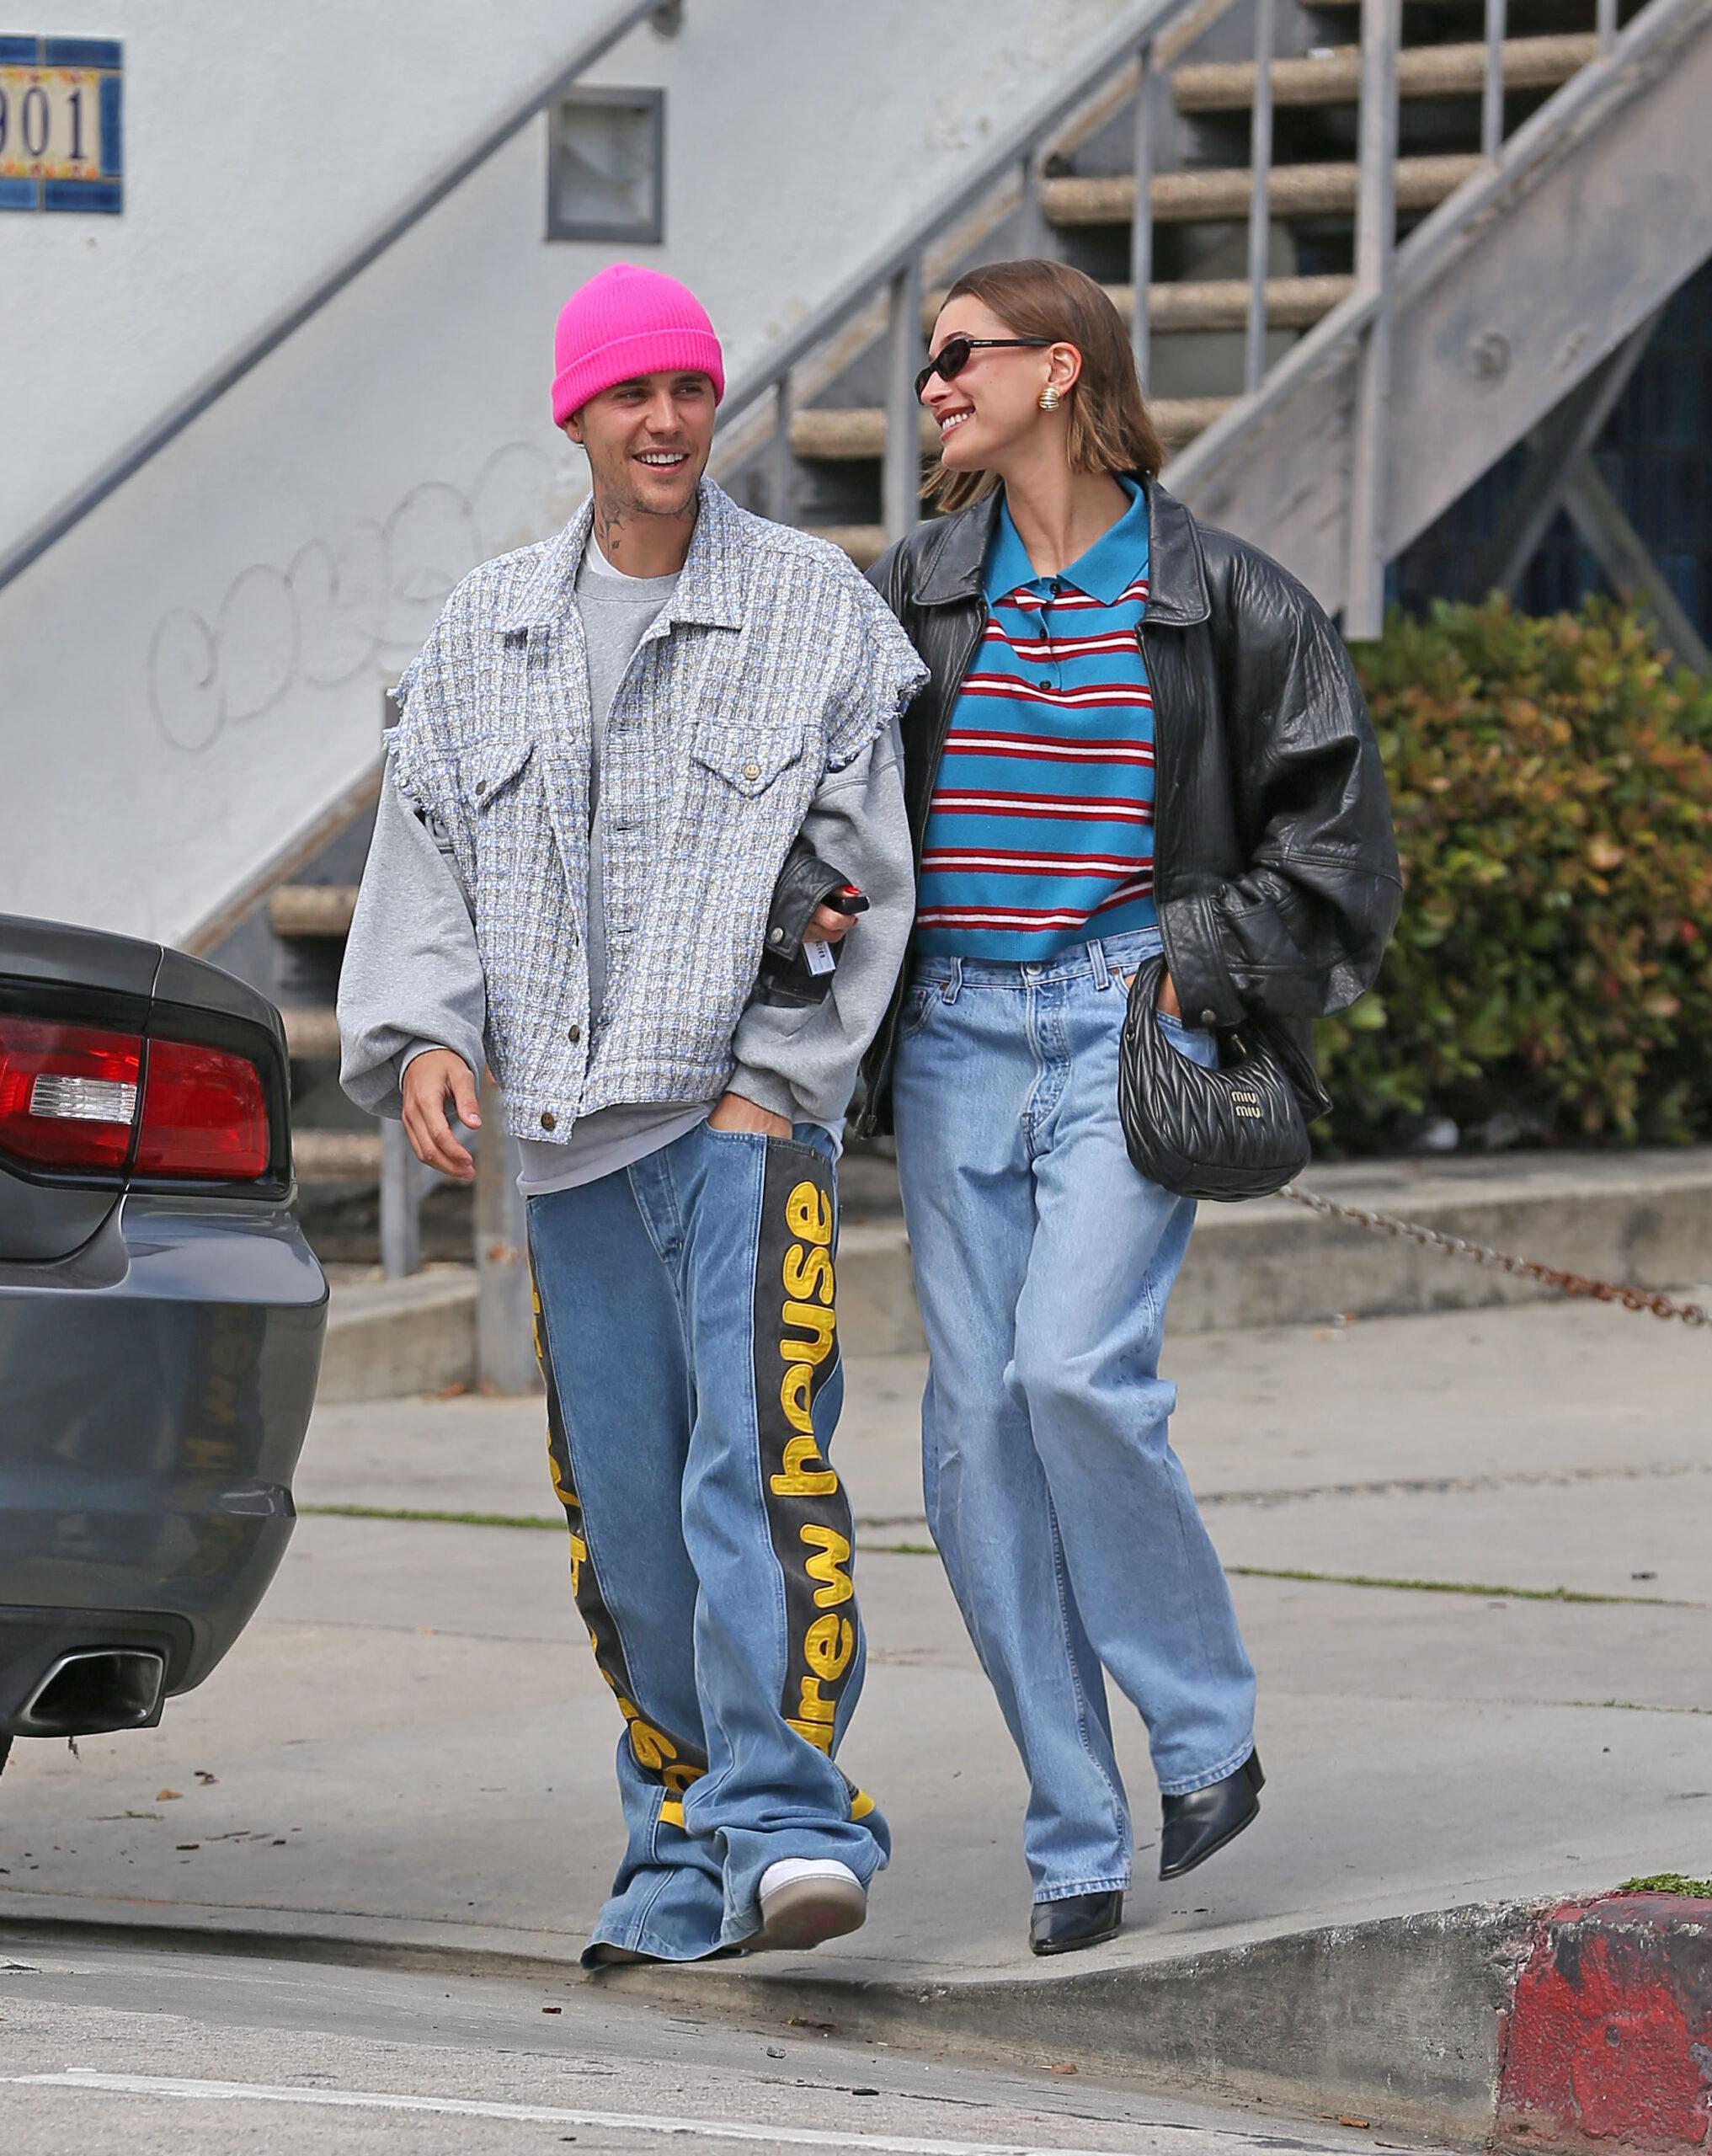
[1552,785]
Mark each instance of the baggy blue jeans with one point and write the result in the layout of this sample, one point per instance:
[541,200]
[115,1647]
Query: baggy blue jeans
[685,1322]
[1043,1262]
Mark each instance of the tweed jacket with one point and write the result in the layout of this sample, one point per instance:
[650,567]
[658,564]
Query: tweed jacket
[773,665]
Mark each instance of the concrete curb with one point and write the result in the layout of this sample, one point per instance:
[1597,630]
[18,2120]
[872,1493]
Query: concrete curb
[1644,1219]
[388,1338]
[1641,1219]
[1569,2028]
[1608,2037]
[1395,2021]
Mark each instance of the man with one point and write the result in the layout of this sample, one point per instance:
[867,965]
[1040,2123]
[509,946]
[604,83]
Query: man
[610,745]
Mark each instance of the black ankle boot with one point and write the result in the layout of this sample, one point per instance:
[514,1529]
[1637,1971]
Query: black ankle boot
[1078,1920]
[1197,1825]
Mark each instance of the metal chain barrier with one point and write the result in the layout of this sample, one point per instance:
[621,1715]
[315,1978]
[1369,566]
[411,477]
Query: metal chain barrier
[1524,1268]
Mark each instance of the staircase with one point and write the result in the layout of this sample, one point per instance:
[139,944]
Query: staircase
[1381,243]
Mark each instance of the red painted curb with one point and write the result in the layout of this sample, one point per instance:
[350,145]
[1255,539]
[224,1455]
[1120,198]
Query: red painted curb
[1607,2037]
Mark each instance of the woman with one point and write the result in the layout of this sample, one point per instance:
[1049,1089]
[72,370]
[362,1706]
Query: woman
[1138,734]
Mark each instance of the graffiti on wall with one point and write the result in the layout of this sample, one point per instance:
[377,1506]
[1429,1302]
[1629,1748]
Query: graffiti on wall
[345,605]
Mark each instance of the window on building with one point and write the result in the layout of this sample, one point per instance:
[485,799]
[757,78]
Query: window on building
[605,166]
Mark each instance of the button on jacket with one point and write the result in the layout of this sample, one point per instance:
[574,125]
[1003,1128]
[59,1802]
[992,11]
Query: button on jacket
[772,669]
[1275,871]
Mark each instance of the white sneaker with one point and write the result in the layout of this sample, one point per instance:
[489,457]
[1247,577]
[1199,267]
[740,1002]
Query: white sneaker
[805,1900]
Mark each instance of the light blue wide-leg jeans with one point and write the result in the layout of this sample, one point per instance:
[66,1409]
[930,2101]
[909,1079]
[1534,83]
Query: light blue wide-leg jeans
[688,1339]
[1043,1263]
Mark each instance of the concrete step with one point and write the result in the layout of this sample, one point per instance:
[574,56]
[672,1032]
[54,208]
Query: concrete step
[385,1338]
[1223,193]
[1638,1218]
[313,909]
[1643,1219]
[336,1156]
[1217,302]
[1222,302]
[312,1031]
[837,437]
[1554,12]
[1334,77]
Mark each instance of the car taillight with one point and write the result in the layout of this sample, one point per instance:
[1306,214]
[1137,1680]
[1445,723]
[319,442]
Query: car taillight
[71,1096]
[204,1113]
[67,1093]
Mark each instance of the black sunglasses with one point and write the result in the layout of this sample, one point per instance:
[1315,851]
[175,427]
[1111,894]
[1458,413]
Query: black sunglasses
[954,355]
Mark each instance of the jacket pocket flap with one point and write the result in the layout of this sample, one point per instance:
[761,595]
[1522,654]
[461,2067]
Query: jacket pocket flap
[490,767]
[746,758]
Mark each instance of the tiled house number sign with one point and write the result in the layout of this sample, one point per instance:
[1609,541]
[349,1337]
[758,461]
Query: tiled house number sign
[61,125]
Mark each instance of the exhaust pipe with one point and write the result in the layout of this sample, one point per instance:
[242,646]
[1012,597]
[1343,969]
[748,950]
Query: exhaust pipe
[93,1690]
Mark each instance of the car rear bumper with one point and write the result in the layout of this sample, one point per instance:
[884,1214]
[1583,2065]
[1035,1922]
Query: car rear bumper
[154,1392]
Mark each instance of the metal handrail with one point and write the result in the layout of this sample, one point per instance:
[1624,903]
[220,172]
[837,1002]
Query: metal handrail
[1375,250]
[258,346]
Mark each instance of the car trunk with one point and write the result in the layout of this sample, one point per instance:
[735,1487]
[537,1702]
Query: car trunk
[125,1067]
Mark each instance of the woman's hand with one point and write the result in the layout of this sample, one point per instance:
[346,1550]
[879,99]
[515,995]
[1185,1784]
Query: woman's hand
[1168,998]
[826,926]
[732,1112]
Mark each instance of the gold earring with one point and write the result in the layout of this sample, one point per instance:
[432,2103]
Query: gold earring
[1049,398]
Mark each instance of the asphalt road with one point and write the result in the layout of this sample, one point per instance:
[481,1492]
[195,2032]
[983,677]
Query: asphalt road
[109,2051]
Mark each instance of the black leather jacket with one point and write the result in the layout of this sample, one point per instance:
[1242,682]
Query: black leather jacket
[1275,867]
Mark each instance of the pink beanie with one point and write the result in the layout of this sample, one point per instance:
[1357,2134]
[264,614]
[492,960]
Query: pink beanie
[628,322]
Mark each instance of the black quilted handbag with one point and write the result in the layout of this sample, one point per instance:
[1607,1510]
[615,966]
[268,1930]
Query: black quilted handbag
[1235,1132]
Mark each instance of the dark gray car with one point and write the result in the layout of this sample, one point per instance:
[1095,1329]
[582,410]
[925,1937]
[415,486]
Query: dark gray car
[161,1324]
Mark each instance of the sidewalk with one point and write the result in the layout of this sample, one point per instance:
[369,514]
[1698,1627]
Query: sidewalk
[411,1745]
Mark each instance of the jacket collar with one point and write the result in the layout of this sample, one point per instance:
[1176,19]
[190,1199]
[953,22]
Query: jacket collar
[954,555]
[711,592]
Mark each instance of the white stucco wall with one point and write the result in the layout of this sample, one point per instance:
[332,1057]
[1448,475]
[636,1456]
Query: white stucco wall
[194,675]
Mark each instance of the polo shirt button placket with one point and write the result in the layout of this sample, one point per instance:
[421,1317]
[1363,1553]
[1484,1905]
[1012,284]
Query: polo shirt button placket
[1049,591]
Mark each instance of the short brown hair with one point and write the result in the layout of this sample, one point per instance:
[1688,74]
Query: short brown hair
[1108,429]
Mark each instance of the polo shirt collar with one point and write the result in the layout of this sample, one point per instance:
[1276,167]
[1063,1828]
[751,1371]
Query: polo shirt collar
[1105,572]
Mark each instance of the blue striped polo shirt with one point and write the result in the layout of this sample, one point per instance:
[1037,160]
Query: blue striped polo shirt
[1040,831]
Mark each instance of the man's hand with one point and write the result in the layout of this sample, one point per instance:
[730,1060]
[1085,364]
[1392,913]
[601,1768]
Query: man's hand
[434,1078]
[1168,998]
[731,1112]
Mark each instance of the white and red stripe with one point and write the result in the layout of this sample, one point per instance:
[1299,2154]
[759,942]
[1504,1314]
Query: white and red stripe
[1034,602]
[1041,651]
[1048,747]
[1097,695]
[1028,918]
[1007,862]
[1087,808]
